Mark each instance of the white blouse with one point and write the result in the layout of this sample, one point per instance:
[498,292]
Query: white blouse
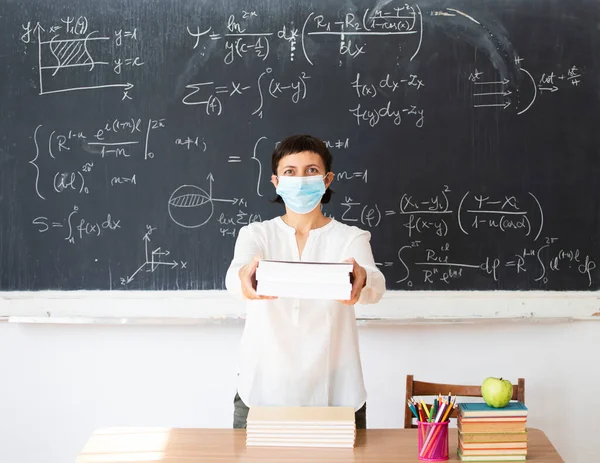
[302,352]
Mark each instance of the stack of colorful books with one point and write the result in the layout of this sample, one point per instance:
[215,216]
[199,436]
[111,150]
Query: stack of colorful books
[492,434]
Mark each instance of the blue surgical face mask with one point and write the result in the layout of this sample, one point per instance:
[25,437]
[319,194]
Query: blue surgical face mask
[301,194]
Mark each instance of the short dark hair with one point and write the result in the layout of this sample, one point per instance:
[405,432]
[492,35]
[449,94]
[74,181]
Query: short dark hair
[297,144]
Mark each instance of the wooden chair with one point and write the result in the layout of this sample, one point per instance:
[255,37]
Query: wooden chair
[421,388]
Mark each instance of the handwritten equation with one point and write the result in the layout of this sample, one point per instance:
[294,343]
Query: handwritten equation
[243,38]
[212,96]
[423,264]
[431,219]
[473,212]
[117,139]
[76,227]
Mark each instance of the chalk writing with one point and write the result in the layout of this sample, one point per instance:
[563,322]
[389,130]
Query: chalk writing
[191,142]
[211,95]
[77,227]
[355,212]
[433,266]
[153,258]
[241,37]
[216,92]
[191,206]
[116,139]
[339,143]
[385,86]
[69,45]
[495,93]
[374,116]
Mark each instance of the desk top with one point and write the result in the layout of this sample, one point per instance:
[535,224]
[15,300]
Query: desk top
[187,445]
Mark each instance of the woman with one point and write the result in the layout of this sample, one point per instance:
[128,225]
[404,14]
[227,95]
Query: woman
[301,352]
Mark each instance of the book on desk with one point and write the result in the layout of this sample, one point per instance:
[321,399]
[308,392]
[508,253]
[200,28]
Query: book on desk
[301,427]
[492,434]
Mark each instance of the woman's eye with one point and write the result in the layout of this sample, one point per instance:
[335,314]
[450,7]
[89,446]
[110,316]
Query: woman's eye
[288,172]
[312,170]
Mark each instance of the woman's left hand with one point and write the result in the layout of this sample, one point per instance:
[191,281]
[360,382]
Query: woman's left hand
[359,280]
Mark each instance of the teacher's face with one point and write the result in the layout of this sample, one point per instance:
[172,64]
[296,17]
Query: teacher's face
[303,164]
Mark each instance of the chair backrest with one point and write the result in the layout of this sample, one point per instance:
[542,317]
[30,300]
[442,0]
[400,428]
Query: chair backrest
[424,389]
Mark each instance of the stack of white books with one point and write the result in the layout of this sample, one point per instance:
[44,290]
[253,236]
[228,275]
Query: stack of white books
[301,427]
[306,280]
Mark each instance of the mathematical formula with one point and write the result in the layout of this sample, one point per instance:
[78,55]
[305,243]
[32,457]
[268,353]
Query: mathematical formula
[245,76]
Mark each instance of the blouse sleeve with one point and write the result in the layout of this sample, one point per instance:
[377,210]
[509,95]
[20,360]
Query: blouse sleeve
[360,250]
[246,248]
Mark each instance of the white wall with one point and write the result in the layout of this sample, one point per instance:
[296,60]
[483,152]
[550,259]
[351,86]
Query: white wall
[59,383]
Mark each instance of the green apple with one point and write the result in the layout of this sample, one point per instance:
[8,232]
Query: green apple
[496,392]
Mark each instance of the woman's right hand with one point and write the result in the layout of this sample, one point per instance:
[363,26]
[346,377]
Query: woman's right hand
[247,276]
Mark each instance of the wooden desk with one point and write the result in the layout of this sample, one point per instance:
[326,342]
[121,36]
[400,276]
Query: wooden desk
[165,445]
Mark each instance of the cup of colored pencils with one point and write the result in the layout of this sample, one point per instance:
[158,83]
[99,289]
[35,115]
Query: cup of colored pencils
[432,424]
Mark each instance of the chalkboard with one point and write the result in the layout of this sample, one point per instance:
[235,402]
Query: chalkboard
[136,137]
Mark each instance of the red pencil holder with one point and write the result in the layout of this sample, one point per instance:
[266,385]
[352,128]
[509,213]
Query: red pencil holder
[433,441]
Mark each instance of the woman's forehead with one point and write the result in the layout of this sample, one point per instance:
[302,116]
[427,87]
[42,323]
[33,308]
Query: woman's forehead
[304,158]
